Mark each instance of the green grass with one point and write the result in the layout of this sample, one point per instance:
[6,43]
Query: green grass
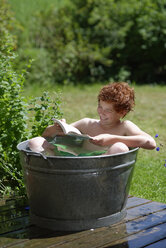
[149,180]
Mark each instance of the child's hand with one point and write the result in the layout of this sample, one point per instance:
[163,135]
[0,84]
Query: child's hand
[102,139]
[53,130]
[58,129]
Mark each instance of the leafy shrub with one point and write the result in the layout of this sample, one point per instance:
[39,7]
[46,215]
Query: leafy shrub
[105,39]
[40,70]
[74,57]
[41,110]
[15,111]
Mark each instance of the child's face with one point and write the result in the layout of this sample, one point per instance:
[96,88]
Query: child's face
[107,113]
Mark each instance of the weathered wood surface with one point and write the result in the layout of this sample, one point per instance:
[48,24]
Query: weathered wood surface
[144,226]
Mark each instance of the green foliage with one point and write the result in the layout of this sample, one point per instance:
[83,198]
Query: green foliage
[27,23]
[12,114]
[15,111]
[40,70]
[101,40]
[144,50]
[75,58]
[43,108]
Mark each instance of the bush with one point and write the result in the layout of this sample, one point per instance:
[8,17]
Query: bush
[16,112]
[40,70]
[75,58]
[101,40]
[42,110]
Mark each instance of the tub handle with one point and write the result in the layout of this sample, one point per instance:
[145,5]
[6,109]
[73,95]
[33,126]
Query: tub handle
[31,153]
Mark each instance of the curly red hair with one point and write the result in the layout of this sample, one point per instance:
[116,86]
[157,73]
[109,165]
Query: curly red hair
[120,94]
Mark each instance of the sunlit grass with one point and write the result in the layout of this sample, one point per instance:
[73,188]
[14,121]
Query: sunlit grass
[149,180]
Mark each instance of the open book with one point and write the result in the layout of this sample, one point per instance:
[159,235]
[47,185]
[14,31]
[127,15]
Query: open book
[71,131]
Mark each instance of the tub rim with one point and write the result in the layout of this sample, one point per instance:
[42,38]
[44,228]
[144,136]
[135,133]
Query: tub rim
[37,154]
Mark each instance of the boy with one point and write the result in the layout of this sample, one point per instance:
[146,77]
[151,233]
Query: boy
[109,133]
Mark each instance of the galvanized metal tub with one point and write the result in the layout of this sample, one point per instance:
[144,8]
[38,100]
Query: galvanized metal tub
[77,193]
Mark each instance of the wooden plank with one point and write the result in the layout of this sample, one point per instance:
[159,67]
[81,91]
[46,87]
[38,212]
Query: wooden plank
[141,239]
[135,201]
[55,239]
[14,224]
[9,203]
[146,222]
[12,214]
[159,244]
[99,237]
[19,236]
[111,236]
[145,209]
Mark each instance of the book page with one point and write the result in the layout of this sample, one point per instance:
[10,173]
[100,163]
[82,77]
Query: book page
[67,128]
[71,131]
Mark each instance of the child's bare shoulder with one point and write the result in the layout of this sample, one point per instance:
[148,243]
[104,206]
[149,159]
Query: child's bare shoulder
[84,124]
[131,128]
[127,123]
[89,120]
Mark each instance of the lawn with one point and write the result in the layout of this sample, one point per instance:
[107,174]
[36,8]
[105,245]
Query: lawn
[149,180]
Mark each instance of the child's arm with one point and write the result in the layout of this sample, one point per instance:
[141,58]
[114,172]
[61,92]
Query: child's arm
[134,137]
[139,140]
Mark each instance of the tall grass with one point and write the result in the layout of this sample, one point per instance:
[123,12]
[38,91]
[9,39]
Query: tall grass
[149,180]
